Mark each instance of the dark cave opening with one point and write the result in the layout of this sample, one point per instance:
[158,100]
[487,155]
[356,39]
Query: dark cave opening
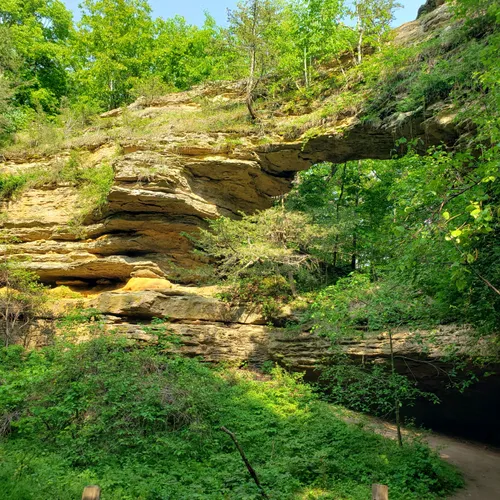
[470,414]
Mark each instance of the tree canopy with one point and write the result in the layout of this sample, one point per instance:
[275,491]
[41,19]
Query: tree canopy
[117,46]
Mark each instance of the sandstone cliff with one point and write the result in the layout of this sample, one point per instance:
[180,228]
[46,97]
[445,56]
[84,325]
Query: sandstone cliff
[217,331]
[177,161]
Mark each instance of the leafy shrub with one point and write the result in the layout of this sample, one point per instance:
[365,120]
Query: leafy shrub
[370,388]
[40,135]
[11,184]
[150,88]
[271,292]
[407,79]
[75,116]
[96,183]
[356,304]
[277,244]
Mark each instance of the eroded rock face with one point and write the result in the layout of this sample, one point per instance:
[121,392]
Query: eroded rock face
[433,15]
[175,304]
[429,6]
[236,343]
[167,183]
[220,332]
[159,195]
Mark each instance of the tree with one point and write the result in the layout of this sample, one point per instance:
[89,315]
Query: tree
[373,19]
[355,305]
[113,46]
[316,29]
[9,66]
[21,301]
[9,59]
[185,55]
[268,244]
[255,26]
[39,31]
[351,200]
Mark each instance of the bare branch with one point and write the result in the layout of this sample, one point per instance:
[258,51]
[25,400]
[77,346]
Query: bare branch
[245,460]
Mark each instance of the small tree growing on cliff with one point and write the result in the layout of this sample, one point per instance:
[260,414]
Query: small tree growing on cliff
[254,23]
[273,242]
[21,301]
[373,19]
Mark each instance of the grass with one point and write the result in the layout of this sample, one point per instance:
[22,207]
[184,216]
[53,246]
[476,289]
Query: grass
[143,425]
[223,123]
[95,187]
[210,118]
[330,111]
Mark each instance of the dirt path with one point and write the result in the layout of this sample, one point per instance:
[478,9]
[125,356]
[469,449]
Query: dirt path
[479,463]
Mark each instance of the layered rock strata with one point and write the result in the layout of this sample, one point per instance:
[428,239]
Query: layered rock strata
[218,331]
[167,183]
[169,179]
[159,195]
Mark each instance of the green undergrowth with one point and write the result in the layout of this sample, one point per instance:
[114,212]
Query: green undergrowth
[444,68]
[146,426]
[271,293]
[204,117]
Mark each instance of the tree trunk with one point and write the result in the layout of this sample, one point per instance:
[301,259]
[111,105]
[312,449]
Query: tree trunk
[253,63]
[251,85]
[360,29]
[111,104]
[354,257]
[344,74]
[396,397]
[360,47]
[292,284]
[306,71]
[341,195]
[7,329]
[249,103]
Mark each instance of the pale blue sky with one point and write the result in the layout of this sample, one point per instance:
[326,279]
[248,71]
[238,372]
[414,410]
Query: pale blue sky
[193,10]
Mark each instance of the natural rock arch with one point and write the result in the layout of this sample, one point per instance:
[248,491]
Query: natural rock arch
[140,230]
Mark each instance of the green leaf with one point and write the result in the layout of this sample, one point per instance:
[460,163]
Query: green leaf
[476,213]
